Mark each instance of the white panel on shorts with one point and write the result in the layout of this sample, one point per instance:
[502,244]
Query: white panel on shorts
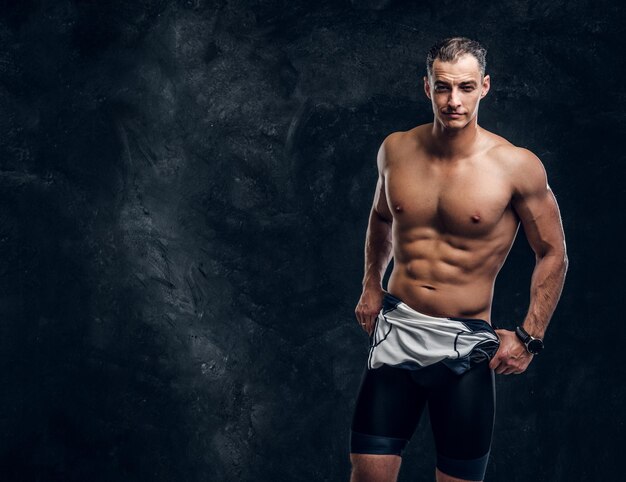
[409,339]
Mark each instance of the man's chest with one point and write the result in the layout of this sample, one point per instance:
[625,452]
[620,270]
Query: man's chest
[468,200]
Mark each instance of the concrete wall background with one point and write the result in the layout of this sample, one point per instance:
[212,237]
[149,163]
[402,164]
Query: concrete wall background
[184,192]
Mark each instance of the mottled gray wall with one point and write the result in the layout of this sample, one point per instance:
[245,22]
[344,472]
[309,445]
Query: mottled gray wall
[184,194]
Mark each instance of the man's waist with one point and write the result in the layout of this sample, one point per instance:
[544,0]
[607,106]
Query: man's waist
[392,302]
[457,300]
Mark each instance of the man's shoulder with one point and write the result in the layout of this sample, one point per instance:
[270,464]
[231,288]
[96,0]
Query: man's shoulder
[525,170]
[515,159]
[411,138]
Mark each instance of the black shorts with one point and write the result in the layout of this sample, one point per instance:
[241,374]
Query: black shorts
[461,407]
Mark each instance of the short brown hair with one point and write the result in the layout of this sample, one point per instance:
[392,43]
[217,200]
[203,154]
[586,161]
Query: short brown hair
[450,49]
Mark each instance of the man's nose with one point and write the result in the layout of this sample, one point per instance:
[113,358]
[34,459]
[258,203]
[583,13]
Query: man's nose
[454,99]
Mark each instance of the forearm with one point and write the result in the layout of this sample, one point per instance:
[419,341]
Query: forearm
[378,249]
[545,290]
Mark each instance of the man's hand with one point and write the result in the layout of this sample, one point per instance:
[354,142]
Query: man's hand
[512,356]
[369,306]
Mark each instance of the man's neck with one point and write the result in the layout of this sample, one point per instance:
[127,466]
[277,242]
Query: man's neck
[453,144]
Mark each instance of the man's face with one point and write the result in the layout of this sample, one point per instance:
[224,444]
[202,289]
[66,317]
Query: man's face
[455,90]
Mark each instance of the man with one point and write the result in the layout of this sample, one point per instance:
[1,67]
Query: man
[448,203]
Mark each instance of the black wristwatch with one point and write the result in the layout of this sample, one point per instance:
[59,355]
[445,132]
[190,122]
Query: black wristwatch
[533,345]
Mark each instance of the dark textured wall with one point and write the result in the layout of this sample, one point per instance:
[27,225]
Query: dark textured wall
[184,192]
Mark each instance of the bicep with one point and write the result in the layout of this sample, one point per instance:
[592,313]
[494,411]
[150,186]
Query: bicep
[380,205]
[535,204]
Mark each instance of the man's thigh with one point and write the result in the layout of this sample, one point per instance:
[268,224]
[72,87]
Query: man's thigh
[387,411]
[462,411]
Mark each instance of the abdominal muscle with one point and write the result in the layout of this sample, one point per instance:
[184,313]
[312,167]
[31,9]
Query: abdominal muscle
[436,278]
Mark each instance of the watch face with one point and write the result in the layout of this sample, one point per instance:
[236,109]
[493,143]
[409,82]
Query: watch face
[535,346]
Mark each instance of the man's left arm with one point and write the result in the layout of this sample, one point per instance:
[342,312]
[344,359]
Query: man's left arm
[536,206]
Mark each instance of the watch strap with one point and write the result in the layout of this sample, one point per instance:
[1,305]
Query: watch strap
[522,334]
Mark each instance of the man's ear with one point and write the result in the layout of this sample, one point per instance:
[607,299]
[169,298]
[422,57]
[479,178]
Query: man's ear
[486,86]
[426,87]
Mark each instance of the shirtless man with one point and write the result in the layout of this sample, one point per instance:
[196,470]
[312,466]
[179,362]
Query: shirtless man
[448,203]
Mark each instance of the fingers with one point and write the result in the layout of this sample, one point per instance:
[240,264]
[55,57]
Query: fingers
[511,357]
[370,323]
[359,316]
[366,316]
[367,309]
[495,361]
[365,320]
[506,366]
[369,327]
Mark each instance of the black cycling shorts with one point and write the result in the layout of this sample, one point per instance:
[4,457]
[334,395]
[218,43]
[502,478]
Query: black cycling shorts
[461,408]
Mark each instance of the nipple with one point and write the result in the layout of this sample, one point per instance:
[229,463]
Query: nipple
[476,218]
[398,208]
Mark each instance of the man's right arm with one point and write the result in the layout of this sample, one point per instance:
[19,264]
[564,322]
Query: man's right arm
[378,249]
